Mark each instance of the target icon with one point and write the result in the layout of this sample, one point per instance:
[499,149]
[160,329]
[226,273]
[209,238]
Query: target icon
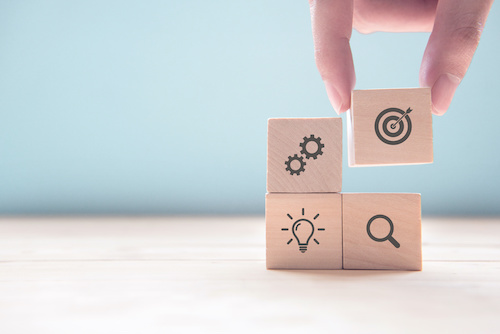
[393,125]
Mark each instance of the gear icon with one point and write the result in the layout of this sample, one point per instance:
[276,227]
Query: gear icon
[289,164]
[318,143]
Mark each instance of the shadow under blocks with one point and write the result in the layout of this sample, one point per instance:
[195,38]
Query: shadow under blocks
[310,223]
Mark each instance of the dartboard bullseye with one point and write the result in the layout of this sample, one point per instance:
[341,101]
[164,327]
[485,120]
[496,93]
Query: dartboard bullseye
[393,126]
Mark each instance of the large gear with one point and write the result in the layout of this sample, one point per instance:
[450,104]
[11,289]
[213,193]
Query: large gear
[289,164]
[319,151]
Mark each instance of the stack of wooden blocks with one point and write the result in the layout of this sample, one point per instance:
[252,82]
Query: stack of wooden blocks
[310,224]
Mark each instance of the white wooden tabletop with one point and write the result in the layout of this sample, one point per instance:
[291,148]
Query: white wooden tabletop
[207,275]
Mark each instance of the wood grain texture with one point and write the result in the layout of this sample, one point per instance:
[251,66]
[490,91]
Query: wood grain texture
[152,275]
[365,146]
[316,220]
[323,174]
[375,213]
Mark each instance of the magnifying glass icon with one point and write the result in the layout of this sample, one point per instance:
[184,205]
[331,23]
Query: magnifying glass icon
[389,235]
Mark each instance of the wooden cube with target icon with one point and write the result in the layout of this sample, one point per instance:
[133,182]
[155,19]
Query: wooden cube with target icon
[390,127]
[304,231]
[304,155]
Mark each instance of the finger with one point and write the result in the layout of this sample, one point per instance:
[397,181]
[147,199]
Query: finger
[453,41]
[332,28]
[394,15]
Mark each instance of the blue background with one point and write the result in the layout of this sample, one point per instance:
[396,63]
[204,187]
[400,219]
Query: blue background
[154,107]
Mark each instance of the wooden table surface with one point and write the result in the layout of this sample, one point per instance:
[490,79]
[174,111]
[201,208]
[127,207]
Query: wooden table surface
[207,275]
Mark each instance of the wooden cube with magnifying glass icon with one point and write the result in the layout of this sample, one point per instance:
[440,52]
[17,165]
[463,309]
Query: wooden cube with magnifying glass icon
[390,127]
[382,231]
[304,231]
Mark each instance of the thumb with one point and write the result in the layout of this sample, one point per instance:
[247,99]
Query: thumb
[453,41]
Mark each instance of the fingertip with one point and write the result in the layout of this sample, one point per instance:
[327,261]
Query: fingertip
[340,97]
[338,103]
[438,112]
[344,107]
[442,93]
[334,97]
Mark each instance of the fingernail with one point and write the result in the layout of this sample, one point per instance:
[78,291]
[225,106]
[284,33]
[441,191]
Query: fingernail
[442,92]
[334,97]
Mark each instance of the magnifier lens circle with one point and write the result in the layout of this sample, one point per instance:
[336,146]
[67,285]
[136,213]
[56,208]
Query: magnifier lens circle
[391,226]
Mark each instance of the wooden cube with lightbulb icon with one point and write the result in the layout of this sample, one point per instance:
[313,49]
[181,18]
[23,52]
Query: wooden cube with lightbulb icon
[304,231]
[304,155]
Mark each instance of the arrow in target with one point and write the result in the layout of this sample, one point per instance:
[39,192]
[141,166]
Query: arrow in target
[409,110]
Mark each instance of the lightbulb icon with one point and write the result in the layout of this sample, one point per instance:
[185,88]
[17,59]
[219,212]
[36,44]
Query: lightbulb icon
[303,230]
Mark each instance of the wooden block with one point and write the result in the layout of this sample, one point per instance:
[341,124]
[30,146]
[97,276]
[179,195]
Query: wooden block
[390,127]
[304,231]
[304,155]
[382,231]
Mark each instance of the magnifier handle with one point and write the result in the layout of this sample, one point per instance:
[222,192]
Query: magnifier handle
[394,242]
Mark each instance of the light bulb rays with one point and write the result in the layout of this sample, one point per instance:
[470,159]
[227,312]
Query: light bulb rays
[303,230]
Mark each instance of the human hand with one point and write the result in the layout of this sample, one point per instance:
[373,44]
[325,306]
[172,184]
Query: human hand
[456,27]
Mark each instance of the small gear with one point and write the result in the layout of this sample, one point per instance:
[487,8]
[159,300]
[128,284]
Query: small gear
[289,164]
[318,143]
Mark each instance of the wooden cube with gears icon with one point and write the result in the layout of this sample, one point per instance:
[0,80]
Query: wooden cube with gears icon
[304,231]
[390,127]
[382,231]
[304,155]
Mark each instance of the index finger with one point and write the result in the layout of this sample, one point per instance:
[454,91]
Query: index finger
[332,29]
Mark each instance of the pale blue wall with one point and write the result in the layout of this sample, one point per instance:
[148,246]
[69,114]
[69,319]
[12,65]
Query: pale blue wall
[161,107]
